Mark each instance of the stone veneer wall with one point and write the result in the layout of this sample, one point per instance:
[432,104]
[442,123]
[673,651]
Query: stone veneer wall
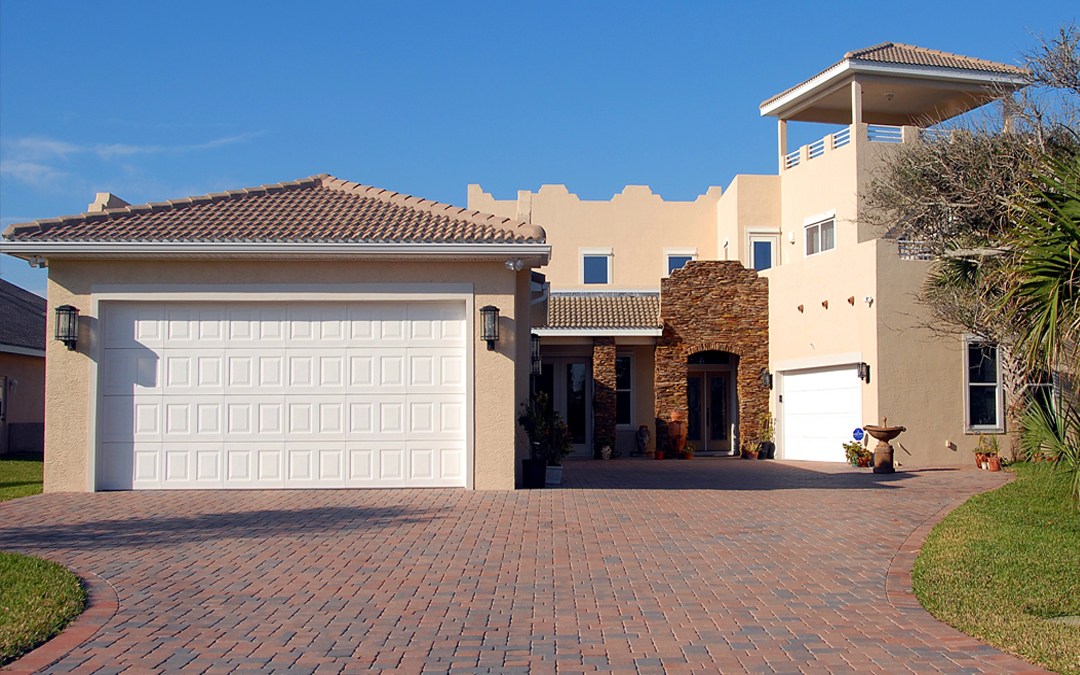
[603,366]
[713,305]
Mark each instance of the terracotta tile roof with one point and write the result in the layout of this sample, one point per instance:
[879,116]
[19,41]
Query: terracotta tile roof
[316,209]
[23,313]
[898,53]
[910,55]
[604,310]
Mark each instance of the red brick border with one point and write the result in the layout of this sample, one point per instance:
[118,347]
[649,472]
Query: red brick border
[101,604]
[899,591]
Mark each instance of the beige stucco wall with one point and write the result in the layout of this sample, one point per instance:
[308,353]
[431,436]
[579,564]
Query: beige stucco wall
[751,204]
[496,391]
[637,224]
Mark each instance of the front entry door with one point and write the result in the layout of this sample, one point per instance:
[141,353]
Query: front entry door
[709,400]
[568,383]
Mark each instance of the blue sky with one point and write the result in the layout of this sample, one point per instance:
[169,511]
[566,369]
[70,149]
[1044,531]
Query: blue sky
[153,101]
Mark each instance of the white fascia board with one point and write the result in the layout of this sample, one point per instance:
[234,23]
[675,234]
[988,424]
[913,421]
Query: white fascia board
[538,253]
[597,332]
[24,351]
[776,108]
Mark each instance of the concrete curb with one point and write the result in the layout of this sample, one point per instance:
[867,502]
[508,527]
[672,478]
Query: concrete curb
[102,604]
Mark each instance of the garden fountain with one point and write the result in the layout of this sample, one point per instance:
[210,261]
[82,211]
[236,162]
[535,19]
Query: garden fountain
[883,451]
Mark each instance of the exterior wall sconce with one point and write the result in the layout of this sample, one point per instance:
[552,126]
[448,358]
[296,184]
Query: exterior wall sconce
[851,301]
[825,304]
[67,325]
[766,379]
[800,308]
[864,372]
[489,325]
[534,344]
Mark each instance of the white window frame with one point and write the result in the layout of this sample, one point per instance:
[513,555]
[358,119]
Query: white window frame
[596,252]
[999,398]
[630,391]
[678,252]
[762,235]
[816,221]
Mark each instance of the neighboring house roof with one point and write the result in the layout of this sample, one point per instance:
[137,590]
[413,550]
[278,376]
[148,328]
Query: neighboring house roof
[24,323]
[901,54]
[590,311]
[317,209]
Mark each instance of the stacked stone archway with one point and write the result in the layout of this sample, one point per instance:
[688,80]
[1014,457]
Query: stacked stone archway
[713,306]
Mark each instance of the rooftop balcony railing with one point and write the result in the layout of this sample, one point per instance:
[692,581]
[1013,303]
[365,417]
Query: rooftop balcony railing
[875,133]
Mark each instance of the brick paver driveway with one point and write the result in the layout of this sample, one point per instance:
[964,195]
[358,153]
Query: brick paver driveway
[634,566]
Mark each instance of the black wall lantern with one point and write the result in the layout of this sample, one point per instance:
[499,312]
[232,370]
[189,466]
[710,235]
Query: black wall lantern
[489,325]
[67,325]
[864,372]
[766,379]
[535,350]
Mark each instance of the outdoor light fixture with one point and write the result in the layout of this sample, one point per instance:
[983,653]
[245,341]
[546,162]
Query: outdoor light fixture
[864,372]
[766,378]
[489,325]
[534,343]
[67,325]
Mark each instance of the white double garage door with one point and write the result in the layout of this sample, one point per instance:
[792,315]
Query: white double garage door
[282,395]
[821,408]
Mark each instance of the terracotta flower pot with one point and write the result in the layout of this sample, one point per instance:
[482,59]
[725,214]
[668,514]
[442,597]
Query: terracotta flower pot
[980,459]
[659,454]
[863,462]
[994,463]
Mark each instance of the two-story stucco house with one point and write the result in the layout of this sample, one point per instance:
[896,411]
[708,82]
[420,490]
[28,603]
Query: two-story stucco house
[321,333]
[774,294]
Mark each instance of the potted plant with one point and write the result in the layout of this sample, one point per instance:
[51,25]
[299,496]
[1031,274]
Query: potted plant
[559,447]
[750,449]
[767,432]
[688,451]
[603,446]
[534,420]
[857,455]
[992,451]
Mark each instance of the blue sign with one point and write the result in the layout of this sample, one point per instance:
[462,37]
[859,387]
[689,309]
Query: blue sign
[858,434]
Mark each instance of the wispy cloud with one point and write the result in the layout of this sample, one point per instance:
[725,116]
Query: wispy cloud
[36,160]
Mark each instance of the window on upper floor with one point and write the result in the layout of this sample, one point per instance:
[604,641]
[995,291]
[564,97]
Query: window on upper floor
[623,391]
[676,258]
[596,265]
[763,250]
[984,395]
[821,236]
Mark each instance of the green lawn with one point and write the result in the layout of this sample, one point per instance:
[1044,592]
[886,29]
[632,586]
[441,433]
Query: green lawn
[19,477]
[37,599]
[1000,566]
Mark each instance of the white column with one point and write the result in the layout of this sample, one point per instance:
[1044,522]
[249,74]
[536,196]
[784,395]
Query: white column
[781,137]
[856,102]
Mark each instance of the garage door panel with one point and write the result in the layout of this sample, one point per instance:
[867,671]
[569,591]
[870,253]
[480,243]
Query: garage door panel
[193,419]
[436,416]
[315,324]
[254,465]
[193,371]
[146,466]
[255,419]
[249,371]
[131,371]
[315,417]
[134,326]
[191,325]
[116,466]
[310,370]
[314,464]
[258,325]
[436,325]
[440,370]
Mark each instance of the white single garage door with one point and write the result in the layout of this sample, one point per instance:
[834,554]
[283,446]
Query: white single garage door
[821,409]
[282,395]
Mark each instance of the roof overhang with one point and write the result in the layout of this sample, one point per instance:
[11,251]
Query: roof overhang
[598,332]
[22,351]
[531,255]
[920,94]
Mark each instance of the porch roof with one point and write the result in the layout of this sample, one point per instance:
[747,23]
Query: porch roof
[615,311]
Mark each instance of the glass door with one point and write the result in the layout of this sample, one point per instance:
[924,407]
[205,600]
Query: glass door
[709,411]
[568,384]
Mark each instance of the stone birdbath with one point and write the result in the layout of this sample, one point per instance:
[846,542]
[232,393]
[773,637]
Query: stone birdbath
[883,451]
